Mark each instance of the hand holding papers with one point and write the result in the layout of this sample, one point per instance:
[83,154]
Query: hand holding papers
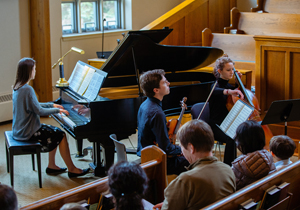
[86,80]
[239,113]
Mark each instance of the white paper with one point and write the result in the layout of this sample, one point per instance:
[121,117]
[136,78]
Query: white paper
[94,86]
[77,76]
[237,115]
[87,79]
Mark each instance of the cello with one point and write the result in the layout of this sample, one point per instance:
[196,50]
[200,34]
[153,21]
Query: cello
[252,100]
[174,124]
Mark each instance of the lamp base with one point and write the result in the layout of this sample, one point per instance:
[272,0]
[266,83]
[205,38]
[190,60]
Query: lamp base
[62,82]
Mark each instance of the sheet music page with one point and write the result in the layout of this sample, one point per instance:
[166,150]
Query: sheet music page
[240,113]
[87,79]
[231,116]
[77,76]
[94,86]
[147,205]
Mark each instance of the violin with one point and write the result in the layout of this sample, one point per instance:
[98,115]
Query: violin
[252,100]
[174,124]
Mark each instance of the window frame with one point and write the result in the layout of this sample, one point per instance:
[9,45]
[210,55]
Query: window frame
[99,25]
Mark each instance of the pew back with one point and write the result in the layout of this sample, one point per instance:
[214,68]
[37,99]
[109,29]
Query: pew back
[290,174]
[278,6]
[262,23]
[155,168]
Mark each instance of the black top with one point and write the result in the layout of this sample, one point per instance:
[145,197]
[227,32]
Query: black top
[152,128]
[217,102]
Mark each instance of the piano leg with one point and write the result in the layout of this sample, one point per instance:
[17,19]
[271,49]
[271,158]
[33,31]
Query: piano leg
[100,169]
[79,148]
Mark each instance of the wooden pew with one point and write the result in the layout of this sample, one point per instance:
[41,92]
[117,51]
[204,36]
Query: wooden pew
[290,174]
[262,23]
[153,162]
[240,48]
[277,6]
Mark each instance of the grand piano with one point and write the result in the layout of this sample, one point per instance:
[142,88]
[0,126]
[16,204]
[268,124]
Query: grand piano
[139,51]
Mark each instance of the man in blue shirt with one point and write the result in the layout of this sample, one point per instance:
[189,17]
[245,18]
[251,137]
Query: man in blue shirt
[152,128]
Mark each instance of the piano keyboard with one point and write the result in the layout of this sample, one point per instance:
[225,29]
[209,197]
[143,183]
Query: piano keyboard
[65,119]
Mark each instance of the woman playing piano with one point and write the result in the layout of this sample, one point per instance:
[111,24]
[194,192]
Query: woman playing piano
[223,72]
[26,121]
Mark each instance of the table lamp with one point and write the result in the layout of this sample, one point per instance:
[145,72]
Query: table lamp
[62,82]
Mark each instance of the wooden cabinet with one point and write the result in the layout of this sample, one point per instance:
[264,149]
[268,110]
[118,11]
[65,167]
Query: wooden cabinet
[277,74]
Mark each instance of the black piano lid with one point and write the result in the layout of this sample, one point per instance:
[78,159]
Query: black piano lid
[148,55]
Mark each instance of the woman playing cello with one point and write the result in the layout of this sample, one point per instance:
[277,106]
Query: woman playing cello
[223,72]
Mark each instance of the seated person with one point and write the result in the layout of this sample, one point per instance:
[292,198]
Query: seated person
[255,162]
[207,179]
[8,198]
[152,123]
[223,72]
[26,121]
[282,148]
[127,183]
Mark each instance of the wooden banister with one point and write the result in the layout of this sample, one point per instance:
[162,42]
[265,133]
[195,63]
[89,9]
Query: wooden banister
[175,14]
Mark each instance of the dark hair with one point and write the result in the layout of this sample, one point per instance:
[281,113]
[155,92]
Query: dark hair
[8,198]
[282,146]
[150,80]
[198,133]
[127,183]
[25,67]
[250,137]
[220,63]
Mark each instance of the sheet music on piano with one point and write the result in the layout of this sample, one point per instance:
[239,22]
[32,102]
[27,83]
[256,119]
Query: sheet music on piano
[86,80]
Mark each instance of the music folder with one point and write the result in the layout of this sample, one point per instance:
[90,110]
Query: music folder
[239,113]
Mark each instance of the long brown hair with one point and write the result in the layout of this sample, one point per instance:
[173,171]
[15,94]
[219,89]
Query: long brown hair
[25,68]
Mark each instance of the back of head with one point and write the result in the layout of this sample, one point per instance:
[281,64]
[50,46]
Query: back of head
[250,137]
[150,80]
[128,183]
[220,63]
[198,133]
[8,198]
[25,67]
[282,146]
[72,206]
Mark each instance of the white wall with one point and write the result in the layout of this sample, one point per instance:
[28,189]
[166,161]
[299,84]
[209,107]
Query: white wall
[10,50]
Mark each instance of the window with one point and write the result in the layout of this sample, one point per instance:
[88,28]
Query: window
[79,16]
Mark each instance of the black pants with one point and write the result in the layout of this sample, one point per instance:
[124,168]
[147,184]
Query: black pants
[230,148]
[176,165]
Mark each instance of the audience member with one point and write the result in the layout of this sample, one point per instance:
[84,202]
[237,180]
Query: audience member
[255,162]
[72,206]
[207,179]
[282,148]
[8,198]
[127,183]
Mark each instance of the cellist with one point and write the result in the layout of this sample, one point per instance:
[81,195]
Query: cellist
[223,71]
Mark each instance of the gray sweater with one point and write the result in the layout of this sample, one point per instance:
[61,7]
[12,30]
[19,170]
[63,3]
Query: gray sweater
[27,111]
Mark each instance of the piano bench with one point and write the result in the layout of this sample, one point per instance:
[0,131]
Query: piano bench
[15,147]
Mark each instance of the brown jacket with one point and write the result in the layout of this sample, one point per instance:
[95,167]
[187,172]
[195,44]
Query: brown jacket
[252,167]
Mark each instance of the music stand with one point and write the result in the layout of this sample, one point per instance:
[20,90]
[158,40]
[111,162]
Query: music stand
[283,111]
